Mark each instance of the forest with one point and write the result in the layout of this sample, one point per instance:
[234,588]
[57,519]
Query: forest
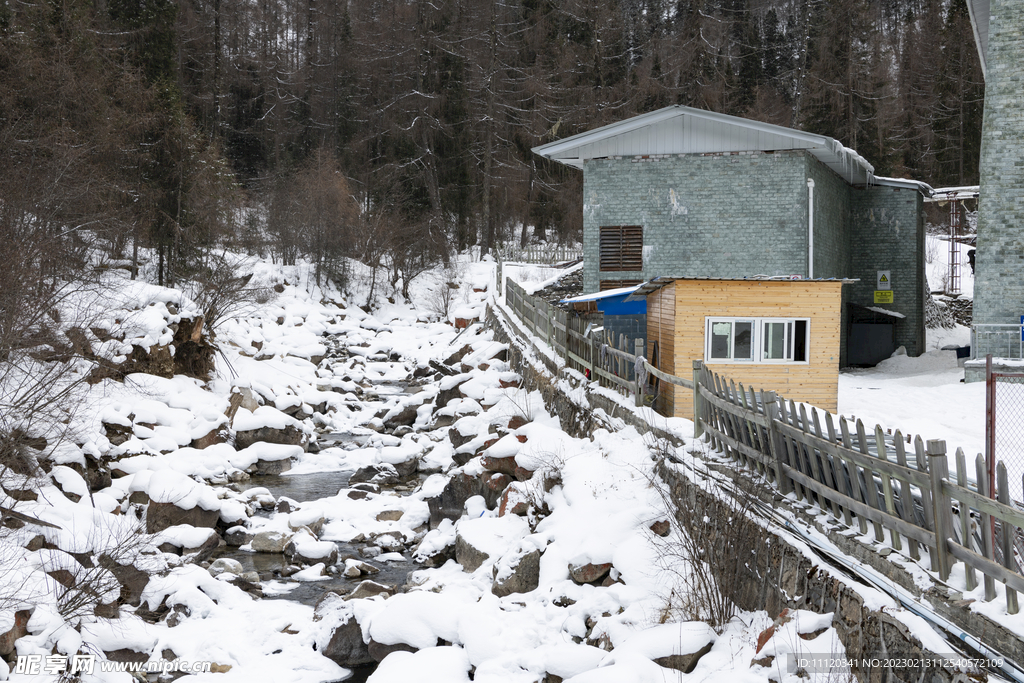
[398,133]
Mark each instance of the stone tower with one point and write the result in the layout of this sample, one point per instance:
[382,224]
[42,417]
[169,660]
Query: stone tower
[999,282]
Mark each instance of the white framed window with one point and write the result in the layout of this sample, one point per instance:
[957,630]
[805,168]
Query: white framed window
[730,339]
[757,340]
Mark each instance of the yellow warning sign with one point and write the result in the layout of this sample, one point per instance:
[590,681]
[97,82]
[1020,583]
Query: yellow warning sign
[883,296]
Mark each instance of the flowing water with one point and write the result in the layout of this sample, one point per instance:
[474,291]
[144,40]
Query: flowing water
[309,487]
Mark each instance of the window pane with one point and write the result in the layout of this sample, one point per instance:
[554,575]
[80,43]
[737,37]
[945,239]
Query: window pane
[744,341]
[775,341]
[800,341]
[721,339]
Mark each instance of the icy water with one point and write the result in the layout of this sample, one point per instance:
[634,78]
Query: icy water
[303,488]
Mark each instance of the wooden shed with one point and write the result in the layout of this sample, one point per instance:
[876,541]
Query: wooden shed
[773,334]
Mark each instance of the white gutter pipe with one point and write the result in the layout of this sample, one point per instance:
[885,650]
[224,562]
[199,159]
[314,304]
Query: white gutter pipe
[810,229]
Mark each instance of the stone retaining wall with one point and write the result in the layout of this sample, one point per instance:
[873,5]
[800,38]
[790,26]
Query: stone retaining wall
[788,578]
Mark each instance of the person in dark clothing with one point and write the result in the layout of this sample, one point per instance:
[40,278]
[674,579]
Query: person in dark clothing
[970,259]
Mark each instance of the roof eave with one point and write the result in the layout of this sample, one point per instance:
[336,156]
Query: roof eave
[552,149]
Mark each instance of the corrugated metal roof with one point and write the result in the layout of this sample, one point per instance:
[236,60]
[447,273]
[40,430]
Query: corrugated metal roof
[599,295]
[685,130]
[654,284]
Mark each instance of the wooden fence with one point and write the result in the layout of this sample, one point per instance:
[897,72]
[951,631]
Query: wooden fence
[539,254]
[897,488]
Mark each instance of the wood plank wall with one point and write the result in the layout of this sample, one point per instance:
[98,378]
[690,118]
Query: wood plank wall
[661,328]
[816,382]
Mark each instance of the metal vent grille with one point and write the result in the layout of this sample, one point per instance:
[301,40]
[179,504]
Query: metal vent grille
[622,248]
[616,284]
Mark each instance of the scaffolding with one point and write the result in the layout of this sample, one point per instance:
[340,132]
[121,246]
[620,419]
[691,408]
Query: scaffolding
[956,197]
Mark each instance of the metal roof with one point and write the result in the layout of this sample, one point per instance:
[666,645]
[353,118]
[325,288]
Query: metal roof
[979,10]
[685,130]
[620,291]
[654,284]
[945,194]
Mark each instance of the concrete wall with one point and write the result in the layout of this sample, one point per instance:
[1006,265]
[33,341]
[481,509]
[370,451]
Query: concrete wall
[888,234]
[999,278]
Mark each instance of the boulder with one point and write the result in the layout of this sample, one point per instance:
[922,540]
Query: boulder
[289,435]
[205,549]
[225,564]
[215,436]
[306,520]
[302,549]
[449,390]
[458,355]
[451,503]
[457,438]
[346,646]
[467,555]
[403,417]
[407,467]
[685,663]
[505,465]
[18,630]
[117,434]
[270,542]
[355,568]
[241,398]
[516,422]
[107,610]
[160,516]
[589,572]
[379,651]
[368,589]
[494,486]
[237,535]
[132,579]
[125,654]
[518,572]
[278,466]
[390,515]
[514,501]
[661,528]
[382,474]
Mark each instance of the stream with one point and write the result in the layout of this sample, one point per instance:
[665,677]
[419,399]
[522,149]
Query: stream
[315,486]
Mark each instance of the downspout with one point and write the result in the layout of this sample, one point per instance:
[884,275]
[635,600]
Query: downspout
[810,229]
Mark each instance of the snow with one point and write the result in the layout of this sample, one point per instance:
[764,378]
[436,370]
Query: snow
[937,265]
[430,665]
[592,500]
[919,396]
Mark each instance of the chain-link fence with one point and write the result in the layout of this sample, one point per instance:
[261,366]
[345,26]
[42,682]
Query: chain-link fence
[1008,429]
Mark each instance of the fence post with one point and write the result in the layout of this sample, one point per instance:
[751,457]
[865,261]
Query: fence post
[938,468]
[1007,532]
[638,351]
[990,426]
[698,402]
[771,411]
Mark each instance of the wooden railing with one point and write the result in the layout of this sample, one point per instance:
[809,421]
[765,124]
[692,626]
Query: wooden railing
[900,487]
[541,254]
[610,364]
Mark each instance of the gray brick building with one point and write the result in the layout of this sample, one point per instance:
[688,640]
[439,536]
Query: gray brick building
[682,192]
[999,274]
